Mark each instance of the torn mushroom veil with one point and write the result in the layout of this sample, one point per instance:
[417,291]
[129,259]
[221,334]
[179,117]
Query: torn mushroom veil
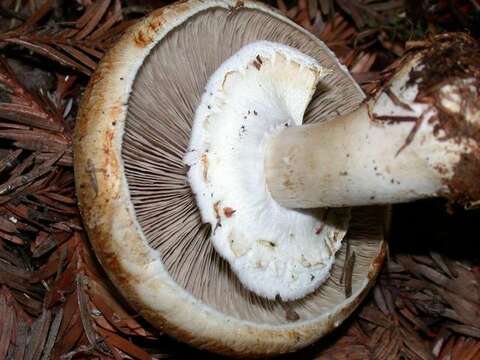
[275,251]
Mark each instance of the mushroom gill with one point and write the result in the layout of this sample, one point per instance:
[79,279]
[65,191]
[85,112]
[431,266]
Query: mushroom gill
[161,107]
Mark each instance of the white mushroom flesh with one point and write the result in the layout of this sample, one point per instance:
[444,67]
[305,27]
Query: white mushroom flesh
[274,251]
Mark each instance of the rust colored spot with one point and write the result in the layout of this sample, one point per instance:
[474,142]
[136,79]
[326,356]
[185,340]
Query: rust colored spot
[147,34]
[155,24]
[228,211]
[109,164]
[111,261]
[109,138]
[142,39]
[95,78]
[107,145]
[204,160]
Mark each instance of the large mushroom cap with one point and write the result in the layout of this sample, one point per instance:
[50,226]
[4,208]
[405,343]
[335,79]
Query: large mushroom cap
[132,134]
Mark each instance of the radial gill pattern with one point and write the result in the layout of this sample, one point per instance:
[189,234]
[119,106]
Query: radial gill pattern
[161,108]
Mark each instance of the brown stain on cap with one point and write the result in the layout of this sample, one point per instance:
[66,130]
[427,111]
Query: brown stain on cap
[147,33]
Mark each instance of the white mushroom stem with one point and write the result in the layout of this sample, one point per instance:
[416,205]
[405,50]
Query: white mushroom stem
[365,158]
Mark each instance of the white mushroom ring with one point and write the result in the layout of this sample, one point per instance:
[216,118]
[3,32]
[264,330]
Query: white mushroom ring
[275,251]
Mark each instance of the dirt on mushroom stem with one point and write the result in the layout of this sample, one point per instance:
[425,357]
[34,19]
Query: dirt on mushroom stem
[454,61]
[447,59]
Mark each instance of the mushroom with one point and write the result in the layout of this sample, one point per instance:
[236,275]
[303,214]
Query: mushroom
[137,161]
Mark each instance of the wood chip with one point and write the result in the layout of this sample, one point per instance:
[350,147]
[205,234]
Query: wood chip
[52,334]
[126,346]
[38,336]
[349,265]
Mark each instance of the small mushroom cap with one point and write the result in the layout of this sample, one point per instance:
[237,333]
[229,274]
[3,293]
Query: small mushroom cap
[257,92]
[132,133]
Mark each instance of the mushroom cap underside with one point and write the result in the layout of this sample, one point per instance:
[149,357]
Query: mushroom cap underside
[132,132]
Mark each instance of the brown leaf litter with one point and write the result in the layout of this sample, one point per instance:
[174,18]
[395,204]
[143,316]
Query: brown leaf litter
[55,301]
